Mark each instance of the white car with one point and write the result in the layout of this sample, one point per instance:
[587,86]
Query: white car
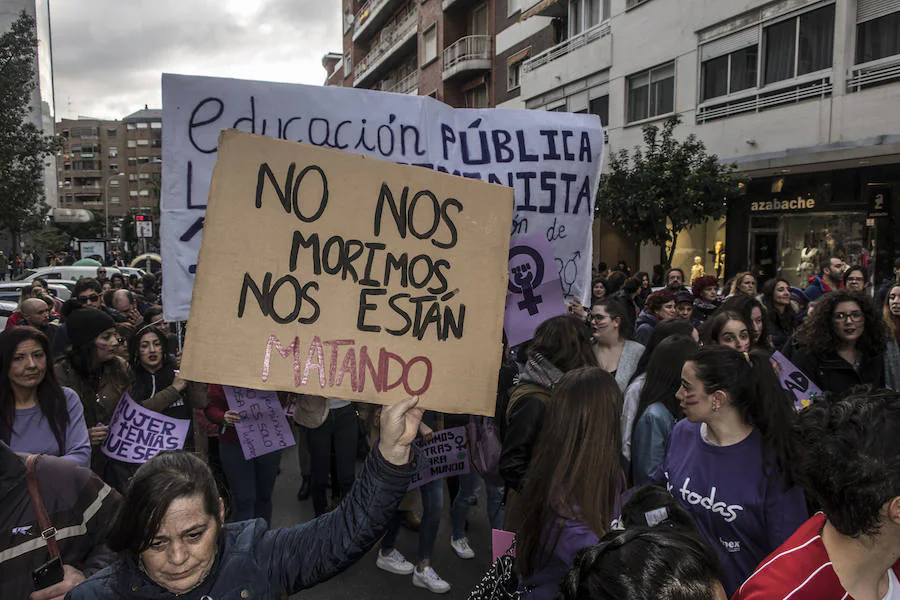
[11,290]
[67,272]
[6,309]
[128,271]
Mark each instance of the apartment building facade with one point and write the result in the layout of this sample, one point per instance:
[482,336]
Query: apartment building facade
[111,165]
[438,48]
[801,94]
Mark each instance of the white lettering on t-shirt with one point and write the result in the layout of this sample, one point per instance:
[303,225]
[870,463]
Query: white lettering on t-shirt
[730,546]
[727,511]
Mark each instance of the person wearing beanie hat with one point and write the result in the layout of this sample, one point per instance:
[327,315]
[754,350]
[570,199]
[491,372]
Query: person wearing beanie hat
[706,298]
[684,304]
[94,369]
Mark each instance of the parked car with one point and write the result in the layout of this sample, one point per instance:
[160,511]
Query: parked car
[6,309]
[11,291]
[128,271]
[66,272]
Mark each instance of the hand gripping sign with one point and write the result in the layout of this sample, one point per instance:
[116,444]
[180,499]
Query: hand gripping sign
[795,381]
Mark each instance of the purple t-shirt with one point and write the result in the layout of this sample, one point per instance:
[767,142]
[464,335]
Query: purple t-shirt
[544,582]
[31,432]
[738,501]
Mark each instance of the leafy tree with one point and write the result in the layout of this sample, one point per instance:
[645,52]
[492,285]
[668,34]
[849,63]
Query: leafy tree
[23,147]
[664,188]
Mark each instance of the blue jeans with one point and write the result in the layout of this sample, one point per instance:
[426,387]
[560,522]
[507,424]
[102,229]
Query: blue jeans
[432,507]
[251,481]
[467,496]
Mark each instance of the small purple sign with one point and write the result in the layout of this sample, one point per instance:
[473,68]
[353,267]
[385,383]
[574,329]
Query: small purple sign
[795,381]
[534,292]
[263,427]
[445,455]
[137,434]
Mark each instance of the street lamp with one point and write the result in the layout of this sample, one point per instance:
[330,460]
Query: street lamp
[106,205]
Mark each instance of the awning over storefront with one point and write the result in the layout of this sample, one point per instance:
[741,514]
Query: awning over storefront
[546,8]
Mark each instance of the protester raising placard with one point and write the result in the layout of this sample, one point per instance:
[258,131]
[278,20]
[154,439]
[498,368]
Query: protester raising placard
[552,160]
[137,434]
[348,277]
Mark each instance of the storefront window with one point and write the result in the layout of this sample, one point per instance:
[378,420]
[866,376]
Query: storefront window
[791,245]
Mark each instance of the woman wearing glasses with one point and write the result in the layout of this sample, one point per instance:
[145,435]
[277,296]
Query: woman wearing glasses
[615,352]
[94,369]
[842,343]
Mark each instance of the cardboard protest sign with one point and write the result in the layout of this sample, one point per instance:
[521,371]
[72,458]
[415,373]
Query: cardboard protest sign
[137,434]
[534,292]
[551,159]
[795,381]
[263,427]
[327,273]
[445,455]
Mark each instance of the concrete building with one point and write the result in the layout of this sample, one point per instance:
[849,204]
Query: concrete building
[43,106]
[111,164]
[438,48]
[802,95]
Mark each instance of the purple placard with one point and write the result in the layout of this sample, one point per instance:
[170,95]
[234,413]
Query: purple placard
[795,381]
[445,455]
[534,293]
[137,434]
[263,427]
[502,543]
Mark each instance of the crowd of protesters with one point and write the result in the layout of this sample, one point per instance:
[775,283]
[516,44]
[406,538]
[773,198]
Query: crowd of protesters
[644,448]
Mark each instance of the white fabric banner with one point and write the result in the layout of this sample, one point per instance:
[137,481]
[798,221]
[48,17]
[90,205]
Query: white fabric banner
[551,159]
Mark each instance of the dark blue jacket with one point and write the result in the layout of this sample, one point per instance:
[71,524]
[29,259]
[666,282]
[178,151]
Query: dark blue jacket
[254,561]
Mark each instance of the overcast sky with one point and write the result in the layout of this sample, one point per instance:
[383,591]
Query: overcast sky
[108,54]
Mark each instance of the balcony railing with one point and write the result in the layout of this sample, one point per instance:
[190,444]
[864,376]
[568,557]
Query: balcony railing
[391,37]
[757,100]
[877,72]
[573,43]
[471,47]
[367,14]
[406,85]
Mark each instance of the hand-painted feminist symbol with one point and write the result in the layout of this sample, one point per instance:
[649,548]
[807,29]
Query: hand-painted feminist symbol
[526,278]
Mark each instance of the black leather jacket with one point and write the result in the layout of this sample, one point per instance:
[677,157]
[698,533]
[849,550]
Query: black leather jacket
[257,562]
[522,428]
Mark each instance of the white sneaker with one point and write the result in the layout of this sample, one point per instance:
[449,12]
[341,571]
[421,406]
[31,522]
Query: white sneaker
[462,548]
[394,562]
[430,580]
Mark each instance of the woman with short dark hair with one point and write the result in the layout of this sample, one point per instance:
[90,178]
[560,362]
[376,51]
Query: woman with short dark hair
[37,415]
[173,540]
[660,307]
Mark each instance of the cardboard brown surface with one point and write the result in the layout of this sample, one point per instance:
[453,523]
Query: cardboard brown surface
[348,321]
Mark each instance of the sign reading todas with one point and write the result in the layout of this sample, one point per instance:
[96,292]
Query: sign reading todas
[551,159]
[263,427]
[796,382]
[534,290]
[445,455]
[137,434]
[327,273]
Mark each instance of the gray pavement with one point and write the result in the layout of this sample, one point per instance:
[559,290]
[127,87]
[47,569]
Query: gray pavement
[364,579]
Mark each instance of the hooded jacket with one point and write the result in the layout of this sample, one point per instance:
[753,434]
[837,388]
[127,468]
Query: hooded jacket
[644,326]
[254,561]
[79,505]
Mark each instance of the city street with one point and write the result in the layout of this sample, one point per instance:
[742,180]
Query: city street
[365,580]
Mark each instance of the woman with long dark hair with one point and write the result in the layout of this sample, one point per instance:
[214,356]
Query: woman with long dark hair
[616,352]
[560,345]
[728,462]
[570,492]
[727,328]
[658,408]
[156,386]
[842,343]
[754,314]
[37,415]
[646,289]
[781,317]
[95,371]
[891,315]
